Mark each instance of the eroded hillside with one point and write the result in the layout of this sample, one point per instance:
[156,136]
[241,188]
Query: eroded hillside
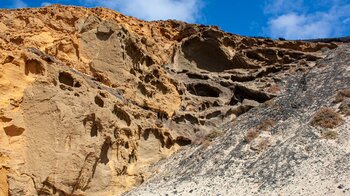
[295,144]
[91,98]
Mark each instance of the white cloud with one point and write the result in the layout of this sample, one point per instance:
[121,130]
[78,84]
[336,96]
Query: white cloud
[186,10]
[45,4]
[294,26]
[307,22]
[19,4]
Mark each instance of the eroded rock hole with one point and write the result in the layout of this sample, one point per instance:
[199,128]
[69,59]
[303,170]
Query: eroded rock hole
[77,84]
[234,100]
[197,76]
[104,95]
[241,93]
[66,78]
[94,130]
[158,135]
[204,106]
[13,130]
[144,90]
[203,90]
[186,118]
[5,119]
[122,115]
[104,152]
[207,55]
[137,55]
[255,55]
[34,67]
[213,115]
[104,36]
[182,141]
[162,115]
[99,101]
[161,87]
[92,125]
[155,132]
[156,73]
[123,131]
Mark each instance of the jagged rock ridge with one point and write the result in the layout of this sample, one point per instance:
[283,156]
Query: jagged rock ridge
[91,98]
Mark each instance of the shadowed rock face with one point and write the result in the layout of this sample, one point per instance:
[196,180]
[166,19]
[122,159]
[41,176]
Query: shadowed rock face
[90,99]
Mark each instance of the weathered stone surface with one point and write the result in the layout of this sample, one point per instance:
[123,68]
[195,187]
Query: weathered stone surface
[275,148]
[90,99]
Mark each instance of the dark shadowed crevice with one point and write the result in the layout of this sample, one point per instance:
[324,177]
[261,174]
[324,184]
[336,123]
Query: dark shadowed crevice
[13,130]
[241,93]
[122,115]
[182,141]
[207,55]
[186,118]
[66,78]
[99,101]
[104,153]
[203,90]
[104,36]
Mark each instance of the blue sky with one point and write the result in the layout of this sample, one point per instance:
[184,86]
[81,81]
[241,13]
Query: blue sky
[291,19]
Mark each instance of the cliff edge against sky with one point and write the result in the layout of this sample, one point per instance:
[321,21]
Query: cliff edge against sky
[91,101]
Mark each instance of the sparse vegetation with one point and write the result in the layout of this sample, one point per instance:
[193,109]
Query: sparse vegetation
[263,144]
[205,143]
[251,135]
[265,125]
[274,89]
[214,134]
[326,118]
[345,107]
[330,135]
[341,95]
[260,144]
[255,132]
[269,103]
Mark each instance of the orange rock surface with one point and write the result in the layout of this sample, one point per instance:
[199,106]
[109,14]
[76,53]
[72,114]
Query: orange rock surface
[89,98]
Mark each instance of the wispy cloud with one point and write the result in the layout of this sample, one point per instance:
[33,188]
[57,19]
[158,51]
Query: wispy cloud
[19,4]
[45,4]
[325,18]
[283,6]
[186,10]
[294,26]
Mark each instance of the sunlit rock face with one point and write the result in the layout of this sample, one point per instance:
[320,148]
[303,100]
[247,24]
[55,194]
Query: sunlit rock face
[90,99]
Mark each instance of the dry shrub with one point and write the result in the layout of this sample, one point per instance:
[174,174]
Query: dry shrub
[205,143]
[251,135]
[255,132]
[345,107]
[214,134]
[274,89]
[260,145]
[341,95]
[330,135]
[265,125]
[263,144]
[269,103]
[326,118]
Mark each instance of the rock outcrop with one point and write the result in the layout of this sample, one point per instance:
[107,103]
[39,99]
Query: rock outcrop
[90,99]
[295,144]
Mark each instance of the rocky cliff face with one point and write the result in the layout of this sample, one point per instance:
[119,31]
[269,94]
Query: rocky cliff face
[90,99]
[295,144]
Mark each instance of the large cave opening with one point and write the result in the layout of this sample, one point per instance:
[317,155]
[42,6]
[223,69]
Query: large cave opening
[207,55]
